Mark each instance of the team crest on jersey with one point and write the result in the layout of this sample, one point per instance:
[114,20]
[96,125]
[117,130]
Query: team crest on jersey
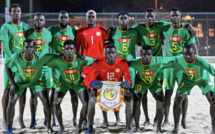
[98,33]
[190,71]
[64,38]
[147,73]
[175,38]
[28,70]
[39,42]
[151,35]
[71,71]
[124,40]
[117,70]
[20,34]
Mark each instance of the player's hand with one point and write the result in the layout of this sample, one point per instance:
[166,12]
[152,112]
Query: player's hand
[13,89]
[112,28]
[96,84]
[125,85]
[82,56]
[191,30]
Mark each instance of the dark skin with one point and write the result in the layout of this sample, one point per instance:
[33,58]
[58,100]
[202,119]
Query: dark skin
[29,49]
[15,14]
[91,19]
[146,56]
[69,51]
[150,19]
[63,19]
[110,54]
[189,56]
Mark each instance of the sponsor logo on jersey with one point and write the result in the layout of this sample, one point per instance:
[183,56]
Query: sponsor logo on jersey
[124,40]
[20,34]
[64,38]
[28,70]
[151,35]
[98,33]
[190,71]
[39,42]
[147,73]
[117,70]
[71,71]
[175,38]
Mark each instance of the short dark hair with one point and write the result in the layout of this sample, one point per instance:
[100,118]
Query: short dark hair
[146,47]
[175,9]
[63,11]
[108,42]
[110,46]
[29,41]
[188,46]
[150,10]
[38,14]
[69,42]
[121,13]
[13,6]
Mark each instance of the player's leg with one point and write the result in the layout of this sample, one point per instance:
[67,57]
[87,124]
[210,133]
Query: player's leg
[145,108]
[5,99]
[83,96]
[129,102]
[33,107]
[137,111]
[184,112]
[105,120]
[118,120]
[74,101]
[51,100]
[91,110]
[22,101]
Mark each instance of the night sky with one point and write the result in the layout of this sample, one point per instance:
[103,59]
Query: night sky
[113,5]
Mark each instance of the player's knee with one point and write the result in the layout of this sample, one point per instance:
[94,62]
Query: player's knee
[56,103]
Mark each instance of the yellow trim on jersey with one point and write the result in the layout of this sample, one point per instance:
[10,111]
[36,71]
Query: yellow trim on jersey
[144,64]
[149,27]
[69,62]
[39,32]
[23,55]
[178,28]
[62,28]
[15,24]
[121,30]
[192,62]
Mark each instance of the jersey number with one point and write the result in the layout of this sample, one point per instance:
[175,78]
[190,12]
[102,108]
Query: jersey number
[148,78]
[191,76]
[152,41]
[110,75]
[174,45]
[92,39]
[21,41]
[62,43]
[138,87]
[39,47]
[124,47]
[72,77]
[28,75]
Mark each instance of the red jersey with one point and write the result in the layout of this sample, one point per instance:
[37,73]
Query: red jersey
[90,41]
[103,72]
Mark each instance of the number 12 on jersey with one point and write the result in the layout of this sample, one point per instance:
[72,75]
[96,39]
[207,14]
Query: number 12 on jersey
[110,75]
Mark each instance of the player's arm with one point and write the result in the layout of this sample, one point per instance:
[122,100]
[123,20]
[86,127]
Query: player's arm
[192,40]
[127,83]
[78,40]
[93,82]
[5,41]
[47,58]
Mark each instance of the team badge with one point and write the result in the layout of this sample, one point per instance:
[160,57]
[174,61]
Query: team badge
[152,35]
[20,34]
[71,71]
[28,70]
[175,38]
[117,70]
[39,42]
[124,40]
[110,94]
[190,71]
[64,38]
[98,33]
[147,73]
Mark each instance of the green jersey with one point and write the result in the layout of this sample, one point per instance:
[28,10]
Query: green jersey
[27,71]
[125,42]
[70,72]
[42,40]
[146,73]
[13,37]
[60,36]
[176,39]
[152,36]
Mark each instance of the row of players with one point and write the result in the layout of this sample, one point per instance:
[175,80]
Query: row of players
[89,40]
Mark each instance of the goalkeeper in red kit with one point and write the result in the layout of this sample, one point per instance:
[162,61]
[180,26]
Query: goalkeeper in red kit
[109,68]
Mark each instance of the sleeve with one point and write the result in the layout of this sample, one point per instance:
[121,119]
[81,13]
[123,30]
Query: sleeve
[5,41]
[190,38]
[93,75]
[78,40]
[105,35]
[207,66]
[11,62]
[47,59]
[25,27]
[89,61]
[167,62]
[49,28]
[137,37]
[126,72]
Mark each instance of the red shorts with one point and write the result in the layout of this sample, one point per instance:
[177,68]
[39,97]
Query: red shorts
[86,75]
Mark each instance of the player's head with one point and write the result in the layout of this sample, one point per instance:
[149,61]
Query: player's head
[29,46]
[175,15]
[39,21]
[189,53]
[150,15]
[15,11]
[110,53]
[91,17]
[69,48]
[146,54]
[123,18]
[63,17]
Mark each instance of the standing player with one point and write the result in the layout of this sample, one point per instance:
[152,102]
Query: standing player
[70,67]
[12,33]
[109,68]
[194,71]
[146,66]
[29,70]
[125,40]
[42,38]
[176,35]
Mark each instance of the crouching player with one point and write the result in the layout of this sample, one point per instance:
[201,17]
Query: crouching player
[146,78]
[194,71]
[29,67]
[70,67]
[110,68]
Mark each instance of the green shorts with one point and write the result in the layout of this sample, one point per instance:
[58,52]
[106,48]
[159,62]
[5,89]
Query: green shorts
[47,77]
[186,86]
[36,86]
[7,82]
[170,78]
[141,87]
[64,87]
[55,78]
